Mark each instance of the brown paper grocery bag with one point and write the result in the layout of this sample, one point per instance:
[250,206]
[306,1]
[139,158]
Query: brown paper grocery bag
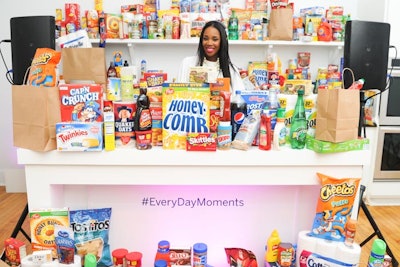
[36,110]
[280,26]
[338,112]
[86,64]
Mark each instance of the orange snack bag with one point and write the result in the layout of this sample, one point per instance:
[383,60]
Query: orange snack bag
[334,208]
[43,67]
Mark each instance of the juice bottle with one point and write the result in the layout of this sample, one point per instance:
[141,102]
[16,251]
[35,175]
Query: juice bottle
[280,132]
[271,252]
[162,254]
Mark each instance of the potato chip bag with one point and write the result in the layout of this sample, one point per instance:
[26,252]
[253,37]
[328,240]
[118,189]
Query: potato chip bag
[334,208]
[43,67]
[91,233]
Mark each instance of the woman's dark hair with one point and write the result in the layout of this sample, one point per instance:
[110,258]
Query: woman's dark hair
[223,53]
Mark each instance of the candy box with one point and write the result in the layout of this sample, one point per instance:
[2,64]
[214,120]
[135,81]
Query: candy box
[79,136]
[201,142]
[180,257]
[14,250]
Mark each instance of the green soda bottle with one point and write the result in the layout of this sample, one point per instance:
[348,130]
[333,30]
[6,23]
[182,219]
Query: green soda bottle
[298,126]
[377,255]
[233,27]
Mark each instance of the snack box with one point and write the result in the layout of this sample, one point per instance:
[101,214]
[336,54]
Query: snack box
[79,136]
[180,257]
[42,228]
[81,102]
[201,142]
[14,250]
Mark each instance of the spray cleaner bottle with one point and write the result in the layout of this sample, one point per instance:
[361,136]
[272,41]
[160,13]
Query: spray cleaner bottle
[271,250]
[377,255]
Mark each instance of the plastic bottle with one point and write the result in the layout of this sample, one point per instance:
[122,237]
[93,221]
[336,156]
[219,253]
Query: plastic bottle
[238,112]
[224,135]
[144,30]
[160,263]
[298,127]
[310,28]
[324,31]
[378,252]
[162,254]
[233,27]
[143,68]
[350,232]
[265,132]
[143,122]
[280,132]
[272,249]
[199,255]
[90,260]
[112,71]
[272,104]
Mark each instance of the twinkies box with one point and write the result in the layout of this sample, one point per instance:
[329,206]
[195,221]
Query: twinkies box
[79,136]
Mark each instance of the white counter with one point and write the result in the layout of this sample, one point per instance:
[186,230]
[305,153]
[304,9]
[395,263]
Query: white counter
[279,189]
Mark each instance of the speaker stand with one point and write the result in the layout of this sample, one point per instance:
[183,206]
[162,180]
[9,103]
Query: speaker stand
[375,227]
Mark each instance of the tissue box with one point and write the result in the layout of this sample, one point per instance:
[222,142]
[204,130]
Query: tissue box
[328,147]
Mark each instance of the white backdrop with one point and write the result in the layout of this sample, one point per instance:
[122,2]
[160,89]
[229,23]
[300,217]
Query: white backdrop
[8,160]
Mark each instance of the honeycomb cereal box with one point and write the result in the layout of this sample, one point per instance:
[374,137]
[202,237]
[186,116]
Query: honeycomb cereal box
[185,109]
[42,228]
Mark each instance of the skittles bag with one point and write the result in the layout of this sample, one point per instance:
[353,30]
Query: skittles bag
[334,208]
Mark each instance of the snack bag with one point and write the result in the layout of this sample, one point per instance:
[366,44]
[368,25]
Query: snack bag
[43,68]
[334,208]
[240,257]
[91,233]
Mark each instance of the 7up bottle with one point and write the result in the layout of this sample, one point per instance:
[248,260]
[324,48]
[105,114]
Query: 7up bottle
[298,126]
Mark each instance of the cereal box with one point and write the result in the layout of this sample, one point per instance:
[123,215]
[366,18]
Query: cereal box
[14,251]
[42,228]
[81,102]
[186,109]
[72,17]
[79,136]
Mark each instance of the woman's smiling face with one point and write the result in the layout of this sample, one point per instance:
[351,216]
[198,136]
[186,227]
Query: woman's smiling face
[211,43]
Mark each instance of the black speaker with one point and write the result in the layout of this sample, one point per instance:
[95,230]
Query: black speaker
[28,34]
[366,50]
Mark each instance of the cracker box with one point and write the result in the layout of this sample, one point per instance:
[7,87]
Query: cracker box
[186,109]
[42,228]
[14,251]
[180,257]
[81,102]
[79,136]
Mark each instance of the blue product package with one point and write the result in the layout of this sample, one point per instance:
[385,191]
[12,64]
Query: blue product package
[91,233]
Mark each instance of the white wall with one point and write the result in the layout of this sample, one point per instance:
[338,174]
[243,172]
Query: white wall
[8,160]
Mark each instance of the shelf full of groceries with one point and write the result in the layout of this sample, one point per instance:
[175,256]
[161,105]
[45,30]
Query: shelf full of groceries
[184,19]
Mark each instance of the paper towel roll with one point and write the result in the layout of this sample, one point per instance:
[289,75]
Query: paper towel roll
[28,262]
[305,242]
[326,248]
[350,255]
[77,262]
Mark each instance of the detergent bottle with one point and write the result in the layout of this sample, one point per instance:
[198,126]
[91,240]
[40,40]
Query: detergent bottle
[271,251]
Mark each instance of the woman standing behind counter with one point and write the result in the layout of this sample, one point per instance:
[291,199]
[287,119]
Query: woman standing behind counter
[213,51]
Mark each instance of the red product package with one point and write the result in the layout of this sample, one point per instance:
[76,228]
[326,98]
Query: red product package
[81,102]
[14,251]
[201,142]
[72,17]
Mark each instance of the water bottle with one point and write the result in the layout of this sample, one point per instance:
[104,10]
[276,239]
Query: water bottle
[238,112]
[298,127]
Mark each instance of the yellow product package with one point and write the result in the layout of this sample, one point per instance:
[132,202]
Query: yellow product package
[42,228]
[185,109]
[334,207]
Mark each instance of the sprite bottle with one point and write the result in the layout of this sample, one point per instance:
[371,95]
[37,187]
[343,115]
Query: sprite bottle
[298,126]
